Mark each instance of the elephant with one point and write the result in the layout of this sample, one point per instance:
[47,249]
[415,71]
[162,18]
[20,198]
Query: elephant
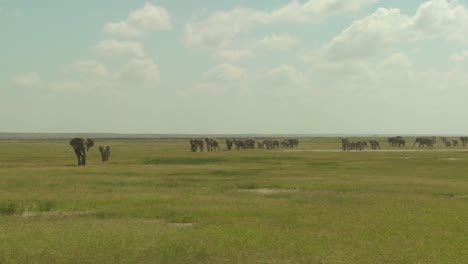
[260,145]
[196,144]
[215,145]
[250,143]
[240,144]
[211,144]
[276,143]
[397,141]
[285,144]
[429,142]
[455,143]
[448,143]
[400,142]
[464,140]
[267,143]
[360,145]
[344,144]
[293,143]
[374,144]
[105,152]
[81,146]
[229,143]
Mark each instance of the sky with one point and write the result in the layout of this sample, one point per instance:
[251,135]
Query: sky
[211,66]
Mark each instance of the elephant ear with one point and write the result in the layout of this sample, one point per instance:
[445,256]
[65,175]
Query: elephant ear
[75,142]
[90,143]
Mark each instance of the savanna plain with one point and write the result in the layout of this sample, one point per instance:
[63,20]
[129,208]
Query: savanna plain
[156,202]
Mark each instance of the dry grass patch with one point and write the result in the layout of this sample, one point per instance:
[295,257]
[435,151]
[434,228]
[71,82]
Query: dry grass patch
[57,214]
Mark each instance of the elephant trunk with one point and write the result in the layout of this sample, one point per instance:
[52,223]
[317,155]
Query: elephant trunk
[84,152]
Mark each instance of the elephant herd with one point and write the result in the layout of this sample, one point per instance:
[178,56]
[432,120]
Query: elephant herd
[199,144]
[399,141]
[82,145]
[347,145]
[239,144]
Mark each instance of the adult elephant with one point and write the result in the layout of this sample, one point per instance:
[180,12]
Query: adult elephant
[229,143]
[105,152]
[464,140]
[240,144]
[429,142]
[344,144]
[81,146]
[285,144]
[267,143]
[196,143]
[374,144]
[212,144]
[293,143]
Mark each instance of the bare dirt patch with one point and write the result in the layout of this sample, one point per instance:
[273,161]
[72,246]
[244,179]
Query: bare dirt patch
[461,196]
[452,159]
[270,191]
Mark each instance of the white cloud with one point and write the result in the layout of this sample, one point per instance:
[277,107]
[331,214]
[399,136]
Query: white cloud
[278,42]
[225,72]
[368,37]
[461,56]
[375,34]
[120,48]
[234,55]
[140,21]
[142,71]
[441,19]
[91,68]
[315,11]
[220,28]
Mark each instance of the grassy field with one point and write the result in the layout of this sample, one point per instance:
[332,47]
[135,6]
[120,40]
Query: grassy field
[155,202]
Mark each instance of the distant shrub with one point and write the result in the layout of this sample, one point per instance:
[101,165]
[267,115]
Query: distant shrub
[8,208]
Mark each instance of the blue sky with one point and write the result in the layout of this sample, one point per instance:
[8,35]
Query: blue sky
[318,66]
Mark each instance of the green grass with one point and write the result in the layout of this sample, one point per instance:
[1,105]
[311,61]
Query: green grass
[155,202]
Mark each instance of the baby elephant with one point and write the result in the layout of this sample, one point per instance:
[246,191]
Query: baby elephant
[105,152]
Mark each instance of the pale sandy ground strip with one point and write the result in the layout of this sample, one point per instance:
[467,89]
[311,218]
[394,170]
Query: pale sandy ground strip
[270,191]
[53,213]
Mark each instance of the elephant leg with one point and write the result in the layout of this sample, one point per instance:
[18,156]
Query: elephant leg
[78,156]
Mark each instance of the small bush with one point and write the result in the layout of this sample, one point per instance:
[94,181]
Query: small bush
[8,208]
